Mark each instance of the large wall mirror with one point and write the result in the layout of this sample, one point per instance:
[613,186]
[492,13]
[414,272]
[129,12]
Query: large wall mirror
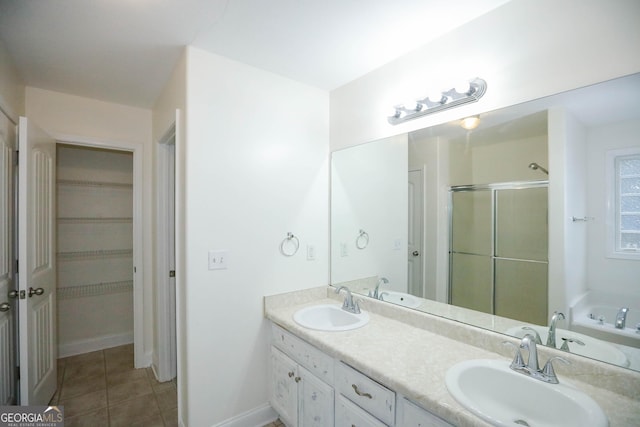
[534,212]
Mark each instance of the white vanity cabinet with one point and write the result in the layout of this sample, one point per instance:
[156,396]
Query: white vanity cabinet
[411,415]
[310,388]
[349,414]
[371,396]
[299,396]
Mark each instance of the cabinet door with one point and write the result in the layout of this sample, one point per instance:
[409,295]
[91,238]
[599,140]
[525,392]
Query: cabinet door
[315,401]
[348,414]
[414,416]
[284,387]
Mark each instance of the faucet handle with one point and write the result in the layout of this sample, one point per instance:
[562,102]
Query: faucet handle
[548,373]
[566,341]
[518,361]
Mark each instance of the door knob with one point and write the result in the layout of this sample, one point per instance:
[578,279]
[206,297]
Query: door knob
[5,306]
[37,291]
[13,294]
[416,253]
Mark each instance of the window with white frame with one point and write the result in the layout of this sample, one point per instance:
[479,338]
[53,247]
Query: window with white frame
[624,206]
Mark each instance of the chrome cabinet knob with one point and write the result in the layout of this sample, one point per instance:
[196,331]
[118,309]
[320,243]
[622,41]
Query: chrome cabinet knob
[37,291]
[416,253]
[5,306]
[13,294]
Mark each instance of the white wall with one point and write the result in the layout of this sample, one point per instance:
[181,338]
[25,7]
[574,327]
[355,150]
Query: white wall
[617,276]
[63,115]
[256,167]
[525,50]
[11,86]
[369,192]
[567,198]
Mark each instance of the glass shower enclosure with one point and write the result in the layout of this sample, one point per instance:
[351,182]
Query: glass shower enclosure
[498,256]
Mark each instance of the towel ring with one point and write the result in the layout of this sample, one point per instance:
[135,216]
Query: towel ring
[362,241]
[292,243]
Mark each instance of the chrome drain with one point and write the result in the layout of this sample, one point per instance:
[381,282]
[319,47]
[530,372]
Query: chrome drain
[522,423]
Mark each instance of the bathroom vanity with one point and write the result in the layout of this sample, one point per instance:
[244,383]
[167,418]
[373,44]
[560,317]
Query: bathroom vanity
[392,371]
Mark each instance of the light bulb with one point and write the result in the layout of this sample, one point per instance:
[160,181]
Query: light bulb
[470,123]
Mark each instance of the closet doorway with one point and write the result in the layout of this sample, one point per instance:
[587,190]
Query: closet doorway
[95,248]
[99,244]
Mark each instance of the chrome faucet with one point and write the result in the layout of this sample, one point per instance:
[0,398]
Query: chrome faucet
[349,303]
[621,318]
[551,336]
[529,343]
[531,368]
[376,292]
[535,334]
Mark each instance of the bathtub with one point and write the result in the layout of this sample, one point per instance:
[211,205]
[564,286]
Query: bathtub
[595,314]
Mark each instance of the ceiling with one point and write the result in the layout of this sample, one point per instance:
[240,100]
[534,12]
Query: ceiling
[123,51]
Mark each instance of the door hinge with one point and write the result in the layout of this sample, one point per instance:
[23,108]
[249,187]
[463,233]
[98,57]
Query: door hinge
[17,157]
[172,273]
[17,372]
[134,269]
[17,266]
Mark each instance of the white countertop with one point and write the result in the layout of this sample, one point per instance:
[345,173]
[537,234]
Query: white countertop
[413,361]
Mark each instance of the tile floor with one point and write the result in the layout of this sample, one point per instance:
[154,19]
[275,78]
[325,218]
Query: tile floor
[102,389]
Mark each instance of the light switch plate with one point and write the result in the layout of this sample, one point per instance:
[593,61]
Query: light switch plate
[311,252]
[218,260]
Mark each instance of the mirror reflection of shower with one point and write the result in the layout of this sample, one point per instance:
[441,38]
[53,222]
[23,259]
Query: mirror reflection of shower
[536,166]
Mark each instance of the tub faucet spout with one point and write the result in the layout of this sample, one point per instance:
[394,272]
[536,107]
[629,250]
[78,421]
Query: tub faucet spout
[621,318]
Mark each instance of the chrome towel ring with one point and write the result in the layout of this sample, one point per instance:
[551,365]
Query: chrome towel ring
[289,245]
[362,241]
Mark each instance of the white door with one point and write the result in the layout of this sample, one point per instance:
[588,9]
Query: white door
[36,264]
[7,262]
[414,240]
[166,259]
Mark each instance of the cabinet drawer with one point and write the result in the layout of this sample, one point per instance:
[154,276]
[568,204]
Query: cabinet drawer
[415,416]
[366,393]
[348,414]
[318,363]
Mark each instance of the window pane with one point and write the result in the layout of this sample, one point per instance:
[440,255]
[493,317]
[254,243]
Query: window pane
[630,185]
[630,241]
[630,222]
[630,204]
[629,166]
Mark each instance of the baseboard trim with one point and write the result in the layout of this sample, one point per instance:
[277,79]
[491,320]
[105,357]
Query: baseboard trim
[94,344]
[256,417]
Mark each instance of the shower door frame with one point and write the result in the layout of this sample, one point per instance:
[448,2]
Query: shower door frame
[493,188]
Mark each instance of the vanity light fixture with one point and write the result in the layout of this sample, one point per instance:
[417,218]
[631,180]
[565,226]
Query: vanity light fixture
[470,123]
[460,94]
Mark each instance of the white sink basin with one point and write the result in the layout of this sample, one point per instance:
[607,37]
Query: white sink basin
[400,298]
[329,317]
[593,347]
[502,397]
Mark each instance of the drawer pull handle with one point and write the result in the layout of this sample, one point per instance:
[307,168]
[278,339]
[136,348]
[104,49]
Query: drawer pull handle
[359,393]
[291,374]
